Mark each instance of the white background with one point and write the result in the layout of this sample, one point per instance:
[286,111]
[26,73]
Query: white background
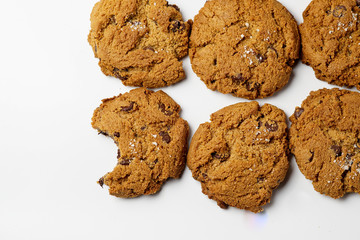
[51,158]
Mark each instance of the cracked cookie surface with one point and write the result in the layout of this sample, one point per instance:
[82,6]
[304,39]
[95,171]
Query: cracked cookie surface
[244,47]
[241,156]
[151,139]
[330,38]
[325,139]
[140,42]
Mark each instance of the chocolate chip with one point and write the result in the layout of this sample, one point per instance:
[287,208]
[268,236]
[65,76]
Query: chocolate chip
[118,154]
[273,127]
[174,6]
[128,108]
[165,136]
[250,86]
[337,150]
[298,112]
[116,134]
[349,156]
[221,156]
[103,133]
[176,26]
[101,182]
[260,58]
[358,3]
[312,157]
[163,110]
[222,205]
[125,162]
[259,125]
[237,79]
[149,48]
[214,61]
[143,127]
[117,74]
[339,11]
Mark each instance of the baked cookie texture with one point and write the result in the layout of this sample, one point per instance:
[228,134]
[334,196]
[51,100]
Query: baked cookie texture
[140,42]
[325,139]
[151,139]
[330,37]
[244,47]
[241,156]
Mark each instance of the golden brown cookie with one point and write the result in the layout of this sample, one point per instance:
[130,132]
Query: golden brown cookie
[330,37]
[151,137]
[140,42]
[325,139]
[241,156]
[244,47]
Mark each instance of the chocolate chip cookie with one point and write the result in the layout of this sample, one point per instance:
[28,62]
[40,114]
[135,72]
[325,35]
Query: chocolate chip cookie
[140,42]
[330,37]
[151,139]
[244,47]
[241,156]
[325,139]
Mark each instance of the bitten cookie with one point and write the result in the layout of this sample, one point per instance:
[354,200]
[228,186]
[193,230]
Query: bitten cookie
[241,156]
[330,37]
[140,42]
[325,139]
[151,137]
[244,47]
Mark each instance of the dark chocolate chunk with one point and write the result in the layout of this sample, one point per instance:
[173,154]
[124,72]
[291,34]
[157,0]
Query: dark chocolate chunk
[176,26]
[220,156]
[237,79]
[163,110]
[125,162]
[298,112]
[339,11]
[312,157]
[337,150]
[260,58]
[250,86]
[128,108]
[165,136]
[273,127]
[116,134]
[174,6]
[118,154]
[101,182]
[103,133]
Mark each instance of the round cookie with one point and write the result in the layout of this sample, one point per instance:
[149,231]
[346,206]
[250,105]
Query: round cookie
[330,37]
[151,137]
[244,47]
[241,156]
[325,139]
[139,41]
